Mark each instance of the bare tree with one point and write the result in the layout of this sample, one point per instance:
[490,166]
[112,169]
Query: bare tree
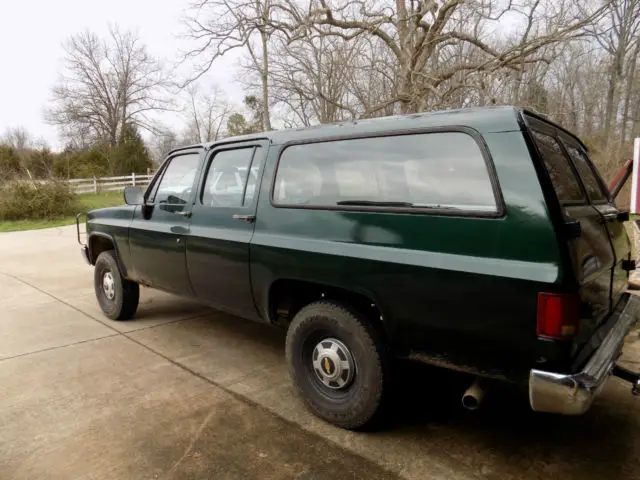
[634,110]
[31,155]
[576,74]
[631,81]
[220,26]
[163,142]
[421,34]
[618,33]
[107,84]
[206,114]
[311,78]
[19,139]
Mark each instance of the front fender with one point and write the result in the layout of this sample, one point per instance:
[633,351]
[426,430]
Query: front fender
[99,242]
[108,228]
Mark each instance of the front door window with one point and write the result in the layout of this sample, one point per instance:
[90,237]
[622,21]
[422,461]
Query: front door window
[174,189]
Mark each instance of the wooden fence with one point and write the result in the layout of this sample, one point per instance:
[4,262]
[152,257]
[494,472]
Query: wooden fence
[108,184]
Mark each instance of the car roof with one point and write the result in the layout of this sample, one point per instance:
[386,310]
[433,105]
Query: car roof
[482,119]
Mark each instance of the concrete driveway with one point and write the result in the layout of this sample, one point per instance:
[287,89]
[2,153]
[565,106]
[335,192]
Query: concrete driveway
[186,392]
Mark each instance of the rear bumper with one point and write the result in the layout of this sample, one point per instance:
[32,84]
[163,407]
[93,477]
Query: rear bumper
[573,394]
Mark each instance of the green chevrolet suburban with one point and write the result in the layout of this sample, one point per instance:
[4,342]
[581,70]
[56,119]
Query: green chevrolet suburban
[479,240]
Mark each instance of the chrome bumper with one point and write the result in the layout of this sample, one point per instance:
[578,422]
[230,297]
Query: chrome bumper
[573,394]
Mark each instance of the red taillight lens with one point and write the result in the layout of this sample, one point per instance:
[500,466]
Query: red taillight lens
[557,315]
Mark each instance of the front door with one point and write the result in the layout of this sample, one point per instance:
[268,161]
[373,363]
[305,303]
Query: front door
[222,226]
[157,236]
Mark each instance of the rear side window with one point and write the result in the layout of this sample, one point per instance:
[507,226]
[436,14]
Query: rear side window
[558,165]
[445,170]
[582,163]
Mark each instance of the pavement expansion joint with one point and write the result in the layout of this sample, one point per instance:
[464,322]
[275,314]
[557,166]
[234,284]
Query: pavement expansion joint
[237,396]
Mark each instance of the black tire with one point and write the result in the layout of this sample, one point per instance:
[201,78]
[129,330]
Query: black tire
[124,303]
[358,404]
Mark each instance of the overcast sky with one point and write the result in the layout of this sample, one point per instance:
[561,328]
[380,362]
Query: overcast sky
[31,53]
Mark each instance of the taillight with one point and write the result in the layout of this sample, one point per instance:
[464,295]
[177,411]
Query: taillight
[558,315]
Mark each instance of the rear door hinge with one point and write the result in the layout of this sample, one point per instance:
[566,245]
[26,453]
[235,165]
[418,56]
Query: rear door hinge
[628,265]
[573,229]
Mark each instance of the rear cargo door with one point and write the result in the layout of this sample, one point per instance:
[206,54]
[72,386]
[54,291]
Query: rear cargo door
[610,215]
[587,237]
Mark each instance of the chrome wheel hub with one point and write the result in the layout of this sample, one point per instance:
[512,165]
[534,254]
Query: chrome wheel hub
[333,363]
[108,285]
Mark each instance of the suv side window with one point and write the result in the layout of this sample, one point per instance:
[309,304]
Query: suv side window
[581,161]
[176,184]
[440,170]
[563,178]
[232,178]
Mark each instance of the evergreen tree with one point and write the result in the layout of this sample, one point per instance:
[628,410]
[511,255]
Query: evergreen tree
[131,155]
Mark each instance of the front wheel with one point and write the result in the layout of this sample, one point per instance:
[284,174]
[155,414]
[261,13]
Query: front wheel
[338,364]
[117,296]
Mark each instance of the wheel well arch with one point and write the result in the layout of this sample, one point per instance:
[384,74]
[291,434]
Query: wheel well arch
[99,243]
[287,296]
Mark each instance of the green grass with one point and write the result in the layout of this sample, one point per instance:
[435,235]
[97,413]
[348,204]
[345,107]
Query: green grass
[89,202]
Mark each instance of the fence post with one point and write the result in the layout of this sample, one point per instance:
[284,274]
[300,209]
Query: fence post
[133,178]
[95,185]
[148,171]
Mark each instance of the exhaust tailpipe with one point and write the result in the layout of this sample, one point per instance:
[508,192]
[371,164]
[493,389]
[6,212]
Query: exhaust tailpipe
[472,397]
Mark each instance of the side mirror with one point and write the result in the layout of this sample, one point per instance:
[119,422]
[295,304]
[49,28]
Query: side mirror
[133,196]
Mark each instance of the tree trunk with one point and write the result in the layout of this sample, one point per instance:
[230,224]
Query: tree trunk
[113,134]
[609,110]
[123,119]
[266,117]
[635,116]
[631,75]
[573,114]
[515,94]
[407,95]
[613,97]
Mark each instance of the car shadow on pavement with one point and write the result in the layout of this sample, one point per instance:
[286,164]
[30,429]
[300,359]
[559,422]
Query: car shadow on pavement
[505,438]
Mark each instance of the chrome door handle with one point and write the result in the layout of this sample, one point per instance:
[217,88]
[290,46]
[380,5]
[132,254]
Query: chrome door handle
[246,218]
[184,214]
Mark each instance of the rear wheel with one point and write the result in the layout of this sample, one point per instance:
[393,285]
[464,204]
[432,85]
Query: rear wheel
[117,296]
[338,364]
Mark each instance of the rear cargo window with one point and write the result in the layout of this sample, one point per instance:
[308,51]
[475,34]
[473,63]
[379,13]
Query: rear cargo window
[444,170]
[558,165]
[591,183]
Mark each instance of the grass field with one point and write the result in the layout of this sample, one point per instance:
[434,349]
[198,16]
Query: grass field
[89,202]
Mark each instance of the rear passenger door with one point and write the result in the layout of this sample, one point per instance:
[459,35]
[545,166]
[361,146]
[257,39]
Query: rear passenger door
[610,215]
[587,237]
[222,224]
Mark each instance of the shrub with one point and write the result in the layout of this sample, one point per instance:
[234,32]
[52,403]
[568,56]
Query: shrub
[26,200]
[101,160]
